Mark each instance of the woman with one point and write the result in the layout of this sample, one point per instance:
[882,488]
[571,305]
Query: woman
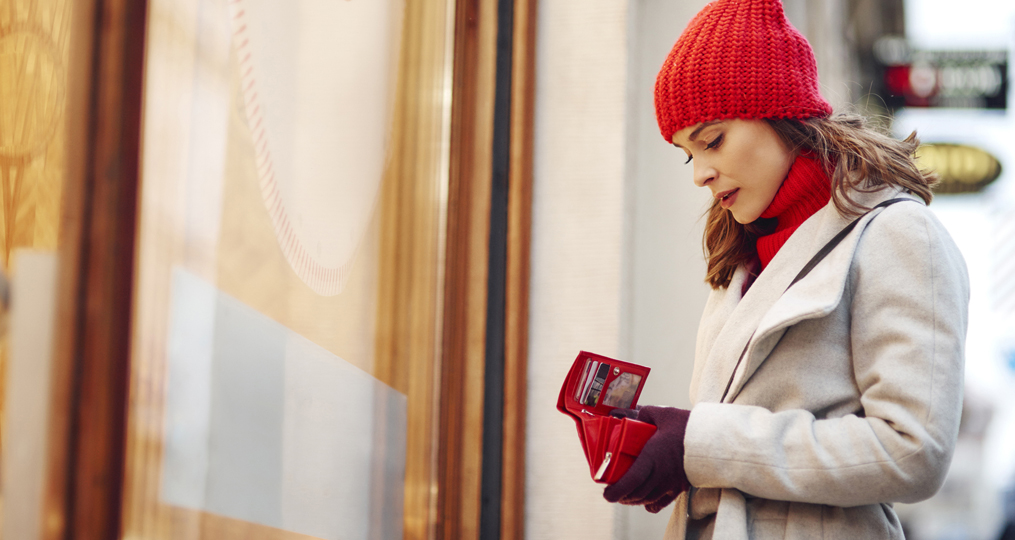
[823,396]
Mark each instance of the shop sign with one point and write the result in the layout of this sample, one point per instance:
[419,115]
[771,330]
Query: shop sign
[975,79]
[961,168]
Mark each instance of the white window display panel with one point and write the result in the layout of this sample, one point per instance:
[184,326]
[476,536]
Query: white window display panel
[32,334]
[265,426]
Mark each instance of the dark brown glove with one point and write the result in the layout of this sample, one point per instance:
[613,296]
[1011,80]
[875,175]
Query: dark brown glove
[657,476]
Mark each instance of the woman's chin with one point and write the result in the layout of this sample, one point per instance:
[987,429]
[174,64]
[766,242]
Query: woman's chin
[743,219]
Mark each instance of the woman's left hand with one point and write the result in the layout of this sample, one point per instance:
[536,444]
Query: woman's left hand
[657,476]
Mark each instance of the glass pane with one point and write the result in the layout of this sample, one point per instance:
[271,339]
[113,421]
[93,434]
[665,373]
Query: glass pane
[269,396]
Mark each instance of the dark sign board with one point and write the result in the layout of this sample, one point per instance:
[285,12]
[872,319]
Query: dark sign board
[976,79]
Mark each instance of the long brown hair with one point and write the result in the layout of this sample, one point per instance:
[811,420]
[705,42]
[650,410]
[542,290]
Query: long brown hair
[856,157]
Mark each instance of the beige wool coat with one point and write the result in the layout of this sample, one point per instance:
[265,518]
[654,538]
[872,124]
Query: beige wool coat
[849,394]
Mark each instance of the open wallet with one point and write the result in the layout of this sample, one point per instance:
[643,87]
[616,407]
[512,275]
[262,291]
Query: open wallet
[595,386]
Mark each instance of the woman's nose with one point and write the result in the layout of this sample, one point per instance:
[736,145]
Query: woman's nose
[703,173]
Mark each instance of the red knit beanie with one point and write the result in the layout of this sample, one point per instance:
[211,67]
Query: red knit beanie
[738,59]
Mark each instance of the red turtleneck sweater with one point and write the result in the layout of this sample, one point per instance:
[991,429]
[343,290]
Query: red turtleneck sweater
[805,191]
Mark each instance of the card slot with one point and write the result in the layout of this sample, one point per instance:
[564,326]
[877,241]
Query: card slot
[589,382]
[585,380]
[570,393]
[580,382]
[595,390]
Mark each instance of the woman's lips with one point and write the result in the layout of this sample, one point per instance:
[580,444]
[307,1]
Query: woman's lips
[727,198]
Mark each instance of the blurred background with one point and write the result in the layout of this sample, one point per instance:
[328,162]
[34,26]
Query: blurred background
[958,100]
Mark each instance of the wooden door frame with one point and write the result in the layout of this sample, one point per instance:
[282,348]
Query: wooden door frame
[487,272]
[82,495]
[519,241]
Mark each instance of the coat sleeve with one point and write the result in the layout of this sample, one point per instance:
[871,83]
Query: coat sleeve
[909,302]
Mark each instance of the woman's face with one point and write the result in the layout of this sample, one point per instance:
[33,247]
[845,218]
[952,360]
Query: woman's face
[743,163]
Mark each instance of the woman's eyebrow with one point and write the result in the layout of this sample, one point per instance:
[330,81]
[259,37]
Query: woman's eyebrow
[694,134]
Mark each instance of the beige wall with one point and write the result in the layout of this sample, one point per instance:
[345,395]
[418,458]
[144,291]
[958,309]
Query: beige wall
[665,267]
[577,247]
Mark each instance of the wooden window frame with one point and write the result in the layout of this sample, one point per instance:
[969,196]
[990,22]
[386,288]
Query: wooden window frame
[492,148]
[84,478]
[86,441]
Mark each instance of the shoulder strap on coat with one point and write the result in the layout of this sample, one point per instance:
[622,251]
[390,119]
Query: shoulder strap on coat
[827,248]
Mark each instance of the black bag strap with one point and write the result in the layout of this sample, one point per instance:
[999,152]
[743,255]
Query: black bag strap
[827,248]
[817,258]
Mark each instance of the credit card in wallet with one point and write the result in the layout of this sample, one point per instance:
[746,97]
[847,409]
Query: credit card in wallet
[597,385]
[581,387]
[587,384]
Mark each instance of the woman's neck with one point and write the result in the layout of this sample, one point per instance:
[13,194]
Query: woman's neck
[805,190]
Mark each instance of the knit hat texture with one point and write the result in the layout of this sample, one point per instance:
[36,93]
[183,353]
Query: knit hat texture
[738,59]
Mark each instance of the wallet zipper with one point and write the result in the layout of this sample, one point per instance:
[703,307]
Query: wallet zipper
[602,468]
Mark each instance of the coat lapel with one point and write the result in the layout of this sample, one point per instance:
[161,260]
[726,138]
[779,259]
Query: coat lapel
[719,308]
[765,312]
[737,323]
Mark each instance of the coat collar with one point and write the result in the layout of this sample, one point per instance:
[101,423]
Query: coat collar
[768,308]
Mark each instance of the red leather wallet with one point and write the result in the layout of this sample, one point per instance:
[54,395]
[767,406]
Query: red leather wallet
[595,386]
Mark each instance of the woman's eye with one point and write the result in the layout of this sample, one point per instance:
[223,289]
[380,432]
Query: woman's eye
[715,143]
[689,156]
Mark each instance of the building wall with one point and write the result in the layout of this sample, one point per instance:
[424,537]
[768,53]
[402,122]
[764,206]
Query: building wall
[577,248]
[824,25]
[665,268]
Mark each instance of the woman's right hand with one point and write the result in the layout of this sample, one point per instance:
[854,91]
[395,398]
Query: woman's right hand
[656,477]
